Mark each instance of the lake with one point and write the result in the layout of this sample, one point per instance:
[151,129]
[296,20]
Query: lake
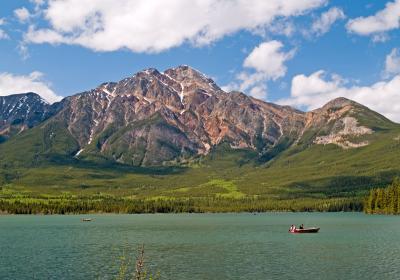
[202,246]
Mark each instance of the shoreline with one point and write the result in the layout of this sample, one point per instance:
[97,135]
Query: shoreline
[177,213]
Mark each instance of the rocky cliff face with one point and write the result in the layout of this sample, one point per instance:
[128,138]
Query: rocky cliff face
[154,117]
[157,117]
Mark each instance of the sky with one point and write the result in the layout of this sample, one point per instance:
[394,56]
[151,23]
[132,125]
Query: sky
[301,53]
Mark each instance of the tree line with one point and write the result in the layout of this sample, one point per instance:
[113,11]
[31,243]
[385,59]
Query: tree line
[384,200]
[191,205]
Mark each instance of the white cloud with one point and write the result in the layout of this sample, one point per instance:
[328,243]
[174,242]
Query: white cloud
[22,14]
[45,35]
[279,27]
[269,60]
[322,25]
[384,20]
[3,34]
[253,84]
[259,91]
[311,92]
[392,63]
[11,84]
[380,38]
[266,62]
[154,26]
[23,51]
[37,4]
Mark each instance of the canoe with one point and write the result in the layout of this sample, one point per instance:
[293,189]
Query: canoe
[305,230]
[86,219]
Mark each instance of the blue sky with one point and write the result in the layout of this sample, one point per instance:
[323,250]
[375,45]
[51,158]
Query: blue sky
[301,53]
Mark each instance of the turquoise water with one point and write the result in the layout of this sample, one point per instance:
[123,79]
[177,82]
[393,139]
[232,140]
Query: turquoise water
[202,246]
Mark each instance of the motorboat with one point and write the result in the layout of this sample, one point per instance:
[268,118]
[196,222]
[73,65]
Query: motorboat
[304,230]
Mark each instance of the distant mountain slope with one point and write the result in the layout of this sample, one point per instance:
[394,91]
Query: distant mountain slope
[19,112]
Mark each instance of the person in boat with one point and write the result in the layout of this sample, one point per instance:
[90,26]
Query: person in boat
[292,228]
[302,226]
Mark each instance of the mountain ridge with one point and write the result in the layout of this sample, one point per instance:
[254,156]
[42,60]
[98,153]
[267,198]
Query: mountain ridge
[154,118]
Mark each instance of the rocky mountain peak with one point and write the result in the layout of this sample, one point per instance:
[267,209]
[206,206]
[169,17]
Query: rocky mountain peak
[338,103]
[21,111]
[149,71]
[21,105]
[333,110]
[181,86]
[192,81]
[183,72]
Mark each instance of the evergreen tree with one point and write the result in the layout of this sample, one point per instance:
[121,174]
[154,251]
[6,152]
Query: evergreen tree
[384,200]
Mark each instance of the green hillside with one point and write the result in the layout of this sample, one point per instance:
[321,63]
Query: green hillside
[318,174]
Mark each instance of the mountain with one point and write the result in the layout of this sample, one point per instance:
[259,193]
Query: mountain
[19,112]
[177,133]
[155,118]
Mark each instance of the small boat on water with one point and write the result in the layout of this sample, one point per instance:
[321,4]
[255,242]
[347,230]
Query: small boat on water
[301,229]
[304,230]
[86,219]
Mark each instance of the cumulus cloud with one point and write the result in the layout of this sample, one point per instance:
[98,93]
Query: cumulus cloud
[384,20]
[268,59]
[322,24]
[392,63]
[313,91]
[265,62]
[11,84]
[22,14]
[154,26]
